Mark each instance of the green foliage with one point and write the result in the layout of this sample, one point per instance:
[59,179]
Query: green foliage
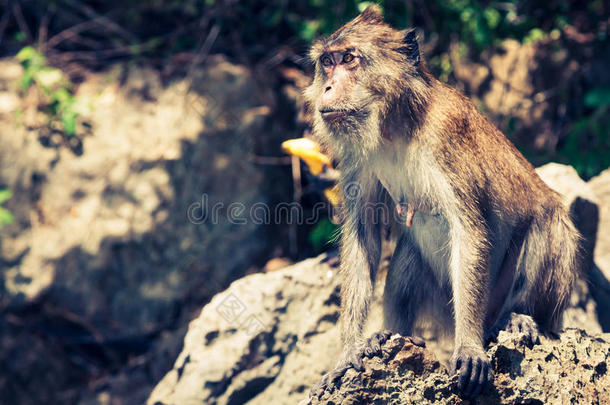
[587,146]
[6,218]
[61,105]
[323,235]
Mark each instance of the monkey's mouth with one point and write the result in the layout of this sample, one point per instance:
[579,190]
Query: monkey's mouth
[333,114]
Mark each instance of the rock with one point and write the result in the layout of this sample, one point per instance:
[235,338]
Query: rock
[600,272]
[600,185]
[269,338]
[571,369]
[119,234]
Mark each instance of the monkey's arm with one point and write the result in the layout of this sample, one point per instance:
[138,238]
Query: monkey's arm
[469,267]
[360,254]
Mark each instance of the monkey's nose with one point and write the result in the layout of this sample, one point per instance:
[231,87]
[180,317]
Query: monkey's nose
[327,89]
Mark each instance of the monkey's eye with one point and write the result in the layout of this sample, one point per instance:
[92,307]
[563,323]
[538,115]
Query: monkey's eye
[326,61]
[348,57]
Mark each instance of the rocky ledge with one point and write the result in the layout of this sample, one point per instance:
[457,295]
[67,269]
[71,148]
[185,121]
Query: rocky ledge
[572,369]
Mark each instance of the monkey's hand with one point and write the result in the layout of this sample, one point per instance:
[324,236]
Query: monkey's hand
[473,368]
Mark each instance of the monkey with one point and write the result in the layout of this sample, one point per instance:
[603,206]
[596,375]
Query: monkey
[486,245]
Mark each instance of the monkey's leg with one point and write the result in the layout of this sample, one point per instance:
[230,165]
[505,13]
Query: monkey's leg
[404,293]
[507,309]
[543,276]
[551,262]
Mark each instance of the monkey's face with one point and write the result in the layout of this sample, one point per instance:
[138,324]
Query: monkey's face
[362,72]
[343,101]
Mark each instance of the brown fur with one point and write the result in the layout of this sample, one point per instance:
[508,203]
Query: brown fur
[493,238]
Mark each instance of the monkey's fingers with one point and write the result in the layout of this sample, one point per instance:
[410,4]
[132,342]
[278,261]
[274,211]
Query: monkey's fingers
[524,324]
[356,362]
[410,214]
[337,373]
[327,380]
[473,372]
[477,378]
[417,341]
[318,389]
[485,379]
[374,343]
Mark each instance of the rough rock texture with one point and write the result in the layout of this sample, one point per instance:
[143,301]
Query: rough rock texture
[571,369]
[111,251]
[269,337]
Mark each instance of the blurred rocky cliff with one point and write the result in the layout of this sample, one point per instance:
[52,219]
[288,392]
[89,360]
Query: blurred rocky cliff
[116,243]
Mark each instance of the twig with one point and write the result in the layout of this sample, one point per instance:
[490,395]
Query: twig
[202,53]
[4,22]
[271,160]
[71,32]
[23,26]
[89,12]
[296,197]
[43,30]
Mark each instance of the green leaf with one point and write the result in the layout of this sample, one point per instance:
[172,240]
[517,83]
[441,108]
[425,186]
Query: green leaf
[69,121]
[598,97]
[6,218]
[26,80]
[363,5]
[5,195]
[492,16]
[323,234]
[26,53]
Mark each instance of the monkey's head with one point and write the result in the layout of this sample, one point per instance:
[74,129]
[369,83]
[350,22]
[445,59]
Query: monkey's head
[363,73]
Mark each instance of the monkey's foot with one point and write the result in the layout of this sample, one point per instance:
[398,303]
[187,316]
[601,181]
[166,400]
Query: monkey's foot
[371,348]
[525,324]
[472,366]
[516,323]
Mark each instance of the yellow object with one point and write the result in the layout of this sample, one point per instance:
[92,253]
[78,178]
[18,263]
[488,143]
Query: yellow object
[332,195]
[309,152]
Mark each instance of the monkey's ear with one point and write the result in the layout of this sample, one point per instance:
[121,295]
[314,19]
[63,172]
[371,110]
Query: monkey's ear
[372,15]
[410,46]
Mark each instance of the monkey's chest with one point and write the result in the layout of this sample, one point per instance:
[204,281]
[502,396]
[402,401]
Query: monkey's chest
[410,196]
[421,218]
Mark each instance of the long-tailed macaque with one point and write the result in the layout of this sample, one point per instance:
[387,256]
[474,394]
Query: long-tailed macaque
[486,245]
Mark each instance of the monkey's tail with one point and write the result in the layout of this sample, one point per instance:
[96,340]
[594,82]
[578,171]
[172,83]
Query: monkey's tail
[554,256]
